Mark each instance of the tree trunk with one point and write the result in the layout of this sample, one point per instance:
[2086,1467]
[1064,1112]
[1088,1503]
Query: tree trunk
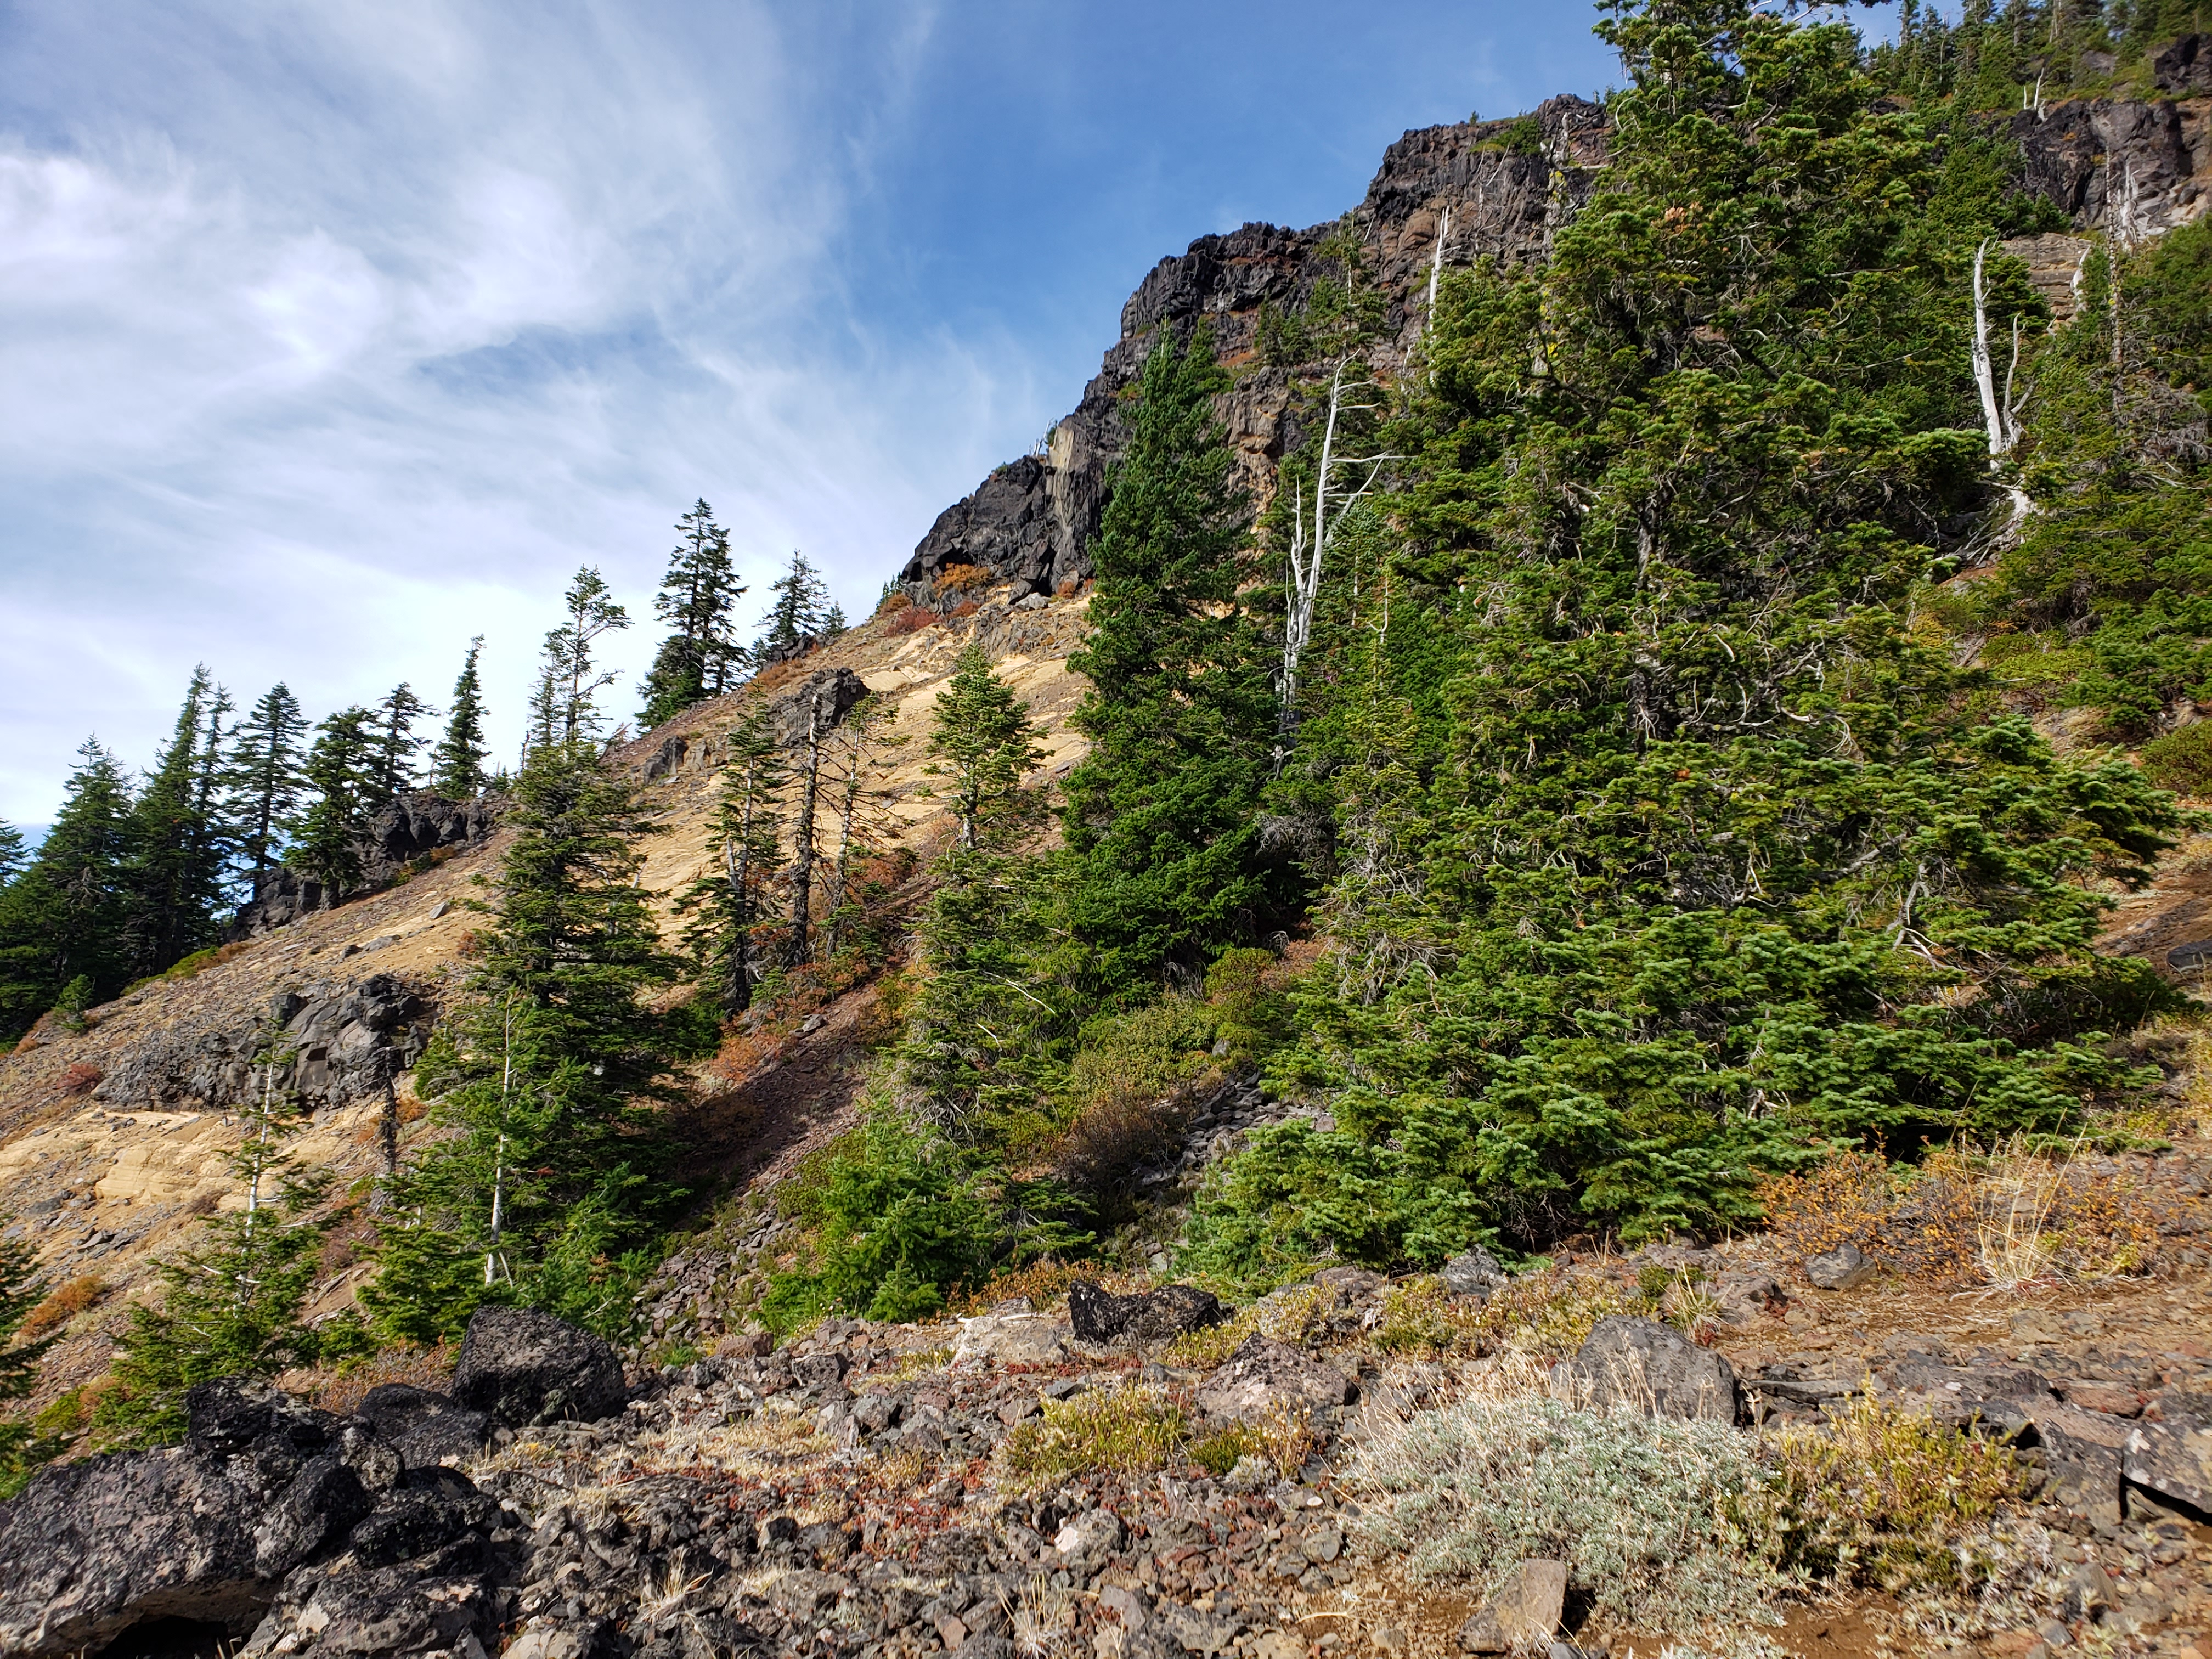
[802,837]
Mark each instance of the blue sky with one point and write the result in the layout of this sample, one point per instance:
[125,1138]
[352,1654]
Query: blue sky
[333,333]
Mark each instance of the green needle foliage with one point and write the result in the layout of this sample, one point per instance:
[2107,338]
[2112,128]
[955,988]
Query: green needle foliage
[552,1180]
[230,1304]
[1668,846]
[22,1449]
[1163,866]
[457,764]
[733,918]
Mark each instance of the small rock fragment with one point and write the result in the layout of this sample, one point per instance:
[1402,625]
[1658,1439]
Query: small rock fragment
[1844,1269]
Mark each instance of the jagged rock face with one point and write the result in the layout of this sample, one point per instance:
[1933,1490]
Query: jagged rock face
[520,1367]
[2185,66]
[265,1497]
[2087,157]
[413,826]
[346,1040]
[1032,519]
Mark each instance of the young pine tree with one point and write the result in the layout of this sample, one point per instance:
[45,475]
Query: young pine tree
[1164,864]
[968,1058]
[392,755]
[551,1179]
[23,1449]
[62,920]
[263,780]
[700,657]
[230,1304]
[327,847]
[730,906]
[457,764]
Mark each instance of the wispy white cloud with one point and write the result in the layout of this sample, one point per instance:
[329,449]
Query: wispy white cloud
[357,335]
[335,332]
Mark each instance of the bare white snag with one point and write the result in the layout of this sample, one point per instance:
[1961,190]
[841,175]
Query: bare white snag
[1303,576]
[2000,413]
[1436,269]
[1996,419]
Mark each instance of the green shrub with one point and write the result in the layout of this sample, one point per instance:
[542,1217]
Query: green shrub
[1883,1498]
[1127,1429]
[901,1219]
[2182,760]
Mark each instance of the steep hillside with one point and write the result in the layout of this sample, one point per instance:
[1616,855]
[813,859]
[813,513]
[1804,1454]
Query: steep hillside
[115,1137]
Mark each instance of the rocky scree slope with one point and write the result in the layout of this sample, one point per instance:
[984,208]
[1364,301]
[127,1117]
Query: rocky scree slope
[112,1138]
[1129,1474]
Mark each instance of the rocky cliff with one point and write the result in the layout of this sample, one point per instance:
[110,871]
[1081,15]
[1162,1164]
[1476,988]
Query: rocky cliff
[1496,189]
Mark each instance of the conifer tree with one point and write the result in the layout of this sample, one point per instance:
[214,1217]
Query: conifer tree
[457,763]
[263,779]
[552,1176]
[797,940]
[700,657]
[328,846]
[62,920]
[969,1059]
[14,853]
[230,1304]
[1164,866]
[565,709]
[176,873]
[864,745]
[800,614]
[23,1449]
[982,744]
[392,762]
[729,904]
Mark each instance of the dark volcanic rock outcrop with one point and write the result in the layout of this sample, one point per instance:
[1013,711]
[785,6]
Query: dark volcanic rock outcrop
[1032,519]
[519,1366]
[345,1042]
[262,1492]
[415,826]
[1507,186]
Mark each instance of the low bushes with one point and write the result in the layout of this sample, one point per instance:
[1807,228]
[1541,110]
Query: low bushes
[1137,1429]
[1883,1498]
[1645,1511]
[79,1295]
[2006,1216]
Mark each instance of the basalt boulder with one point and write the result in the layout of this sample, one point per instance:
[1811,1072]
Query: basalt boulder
[520,1367]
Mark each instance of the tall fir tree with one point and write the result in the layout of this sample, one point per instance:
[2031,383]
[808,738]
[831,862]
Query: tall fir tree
[565,709]
[701,658]
[457,764]
[730,905]
[552,1178]
[327,847]
[1164,864]
[62,920]
[800,614]
[14,853]
[392,755]
[177,866]
[970,1058]
[263,780]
